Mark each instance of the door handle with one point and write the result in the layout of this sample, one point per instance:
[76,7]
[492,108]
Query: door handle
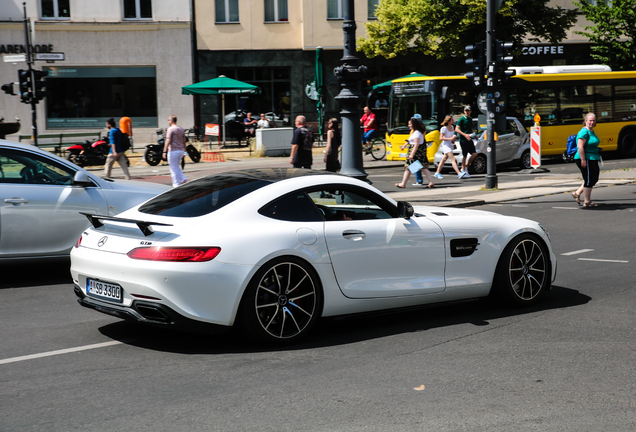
[16,200]
[354,235]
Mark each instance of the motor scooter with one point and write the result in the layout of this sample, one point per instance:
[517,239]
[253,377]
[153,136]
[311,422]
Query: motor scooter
[154,152]
[87,153]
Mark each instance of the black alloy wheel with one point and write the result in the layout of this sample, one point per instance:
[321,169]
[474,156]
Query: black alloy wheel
[194,154]
[523,271]
[76,158]
[152,157]
[282,302]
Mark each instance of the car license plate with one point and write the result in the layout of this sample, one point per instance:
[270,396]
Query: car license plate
[104,290]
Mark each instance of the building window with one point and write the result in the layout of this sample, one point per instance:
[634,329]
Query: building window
[55,9]
[137,9]
[83,97]
[276,11]
[226,11]
[335,9]
[372,4]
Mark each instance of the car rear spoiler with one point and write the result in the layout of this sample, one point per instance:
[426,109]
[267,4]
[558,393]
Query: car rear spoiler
[144,226]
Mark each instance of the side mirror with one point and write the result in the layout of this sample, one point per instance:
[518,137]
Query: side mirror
[405,210]
[81,179]
[517,132]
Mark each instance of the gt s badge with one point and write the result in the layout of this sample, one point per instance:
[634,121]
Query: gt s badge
[145,243]
[102,241]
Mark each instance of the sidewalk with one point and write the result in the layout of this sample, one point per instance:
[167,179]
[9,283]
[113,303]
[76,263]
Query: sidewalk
[537,184]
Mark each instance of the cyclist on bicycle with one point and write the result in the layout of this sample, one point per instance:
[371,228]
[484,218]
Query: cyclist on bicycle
[370,128]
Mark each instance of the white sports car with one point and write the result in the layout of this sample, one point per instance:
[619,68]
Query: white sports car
[276,249]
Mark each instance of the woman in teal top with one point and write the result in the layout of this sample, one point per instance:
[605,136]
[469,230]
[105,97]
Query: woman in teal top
[587,158]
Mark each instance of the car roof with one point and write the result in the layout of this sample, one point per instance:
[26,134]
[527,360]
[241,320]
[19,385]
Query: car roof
[270,174]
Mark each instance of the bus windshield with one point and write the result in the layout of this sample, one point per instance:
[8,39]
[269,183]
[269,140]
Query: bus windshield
[403,107]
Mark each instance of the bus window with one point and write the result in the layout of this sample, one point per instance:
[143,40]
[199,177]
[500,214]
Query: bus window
[539,101]
[404,107]
[624,102]
[576,101]
[603,103]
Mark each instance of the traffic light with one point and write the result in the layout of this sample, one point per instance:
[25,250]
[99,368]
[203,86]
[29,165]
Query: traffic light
[8,88]
[503,60]
[38,88]
[477,63]
[26,89]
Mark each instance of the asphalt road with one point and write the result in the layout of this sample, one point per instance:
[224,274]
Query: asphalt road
[565,365]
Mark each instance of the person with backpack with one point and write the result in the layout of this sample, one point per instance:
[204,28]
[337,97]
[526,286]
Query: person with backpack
[302,144]
[116,152]
[587,159]
[174,150]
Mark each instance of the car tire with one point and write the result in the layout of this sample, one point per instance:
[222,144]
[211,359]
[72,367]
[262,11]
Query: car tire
[523,271]
[525,162]
[282,302]
[480,164]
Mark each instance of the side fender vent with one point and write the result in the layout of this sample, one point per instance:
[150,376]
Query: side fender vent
[463,247]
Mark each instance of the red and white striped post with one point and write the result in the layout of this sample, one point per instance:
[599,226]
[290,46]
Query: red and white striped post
[535,143]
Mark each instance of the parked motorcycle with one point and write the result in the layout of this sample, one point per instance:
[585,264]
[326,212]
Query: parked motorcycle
[87,153]
[154,152]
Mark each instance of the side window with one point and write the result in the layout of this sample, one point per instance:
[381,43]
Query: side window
[276,11]
[345,203]
[335,9]
[371,6]
[55,9]
[137,9]
[226,11]
[294,207]
[28,168]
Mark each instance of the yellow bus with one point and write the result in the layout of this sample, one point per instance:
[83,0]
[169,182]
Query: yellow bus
[561,95]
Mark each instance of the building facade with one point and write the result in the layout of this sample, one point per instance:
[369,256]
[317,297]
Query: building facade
[272,44]
[120,58]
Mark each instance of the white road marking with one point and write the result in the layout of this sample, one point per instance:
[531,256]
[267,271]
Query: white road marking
[566,208]
[58,352]
[520,205]
[602,260]
[578,252]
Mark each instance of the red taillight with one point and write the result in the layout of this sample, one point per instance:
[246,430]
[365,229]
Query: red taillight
[181,254]
[78,242]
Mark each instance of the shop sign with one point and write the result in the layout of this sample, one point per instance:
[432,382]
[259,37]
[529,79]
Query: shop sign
[542,50]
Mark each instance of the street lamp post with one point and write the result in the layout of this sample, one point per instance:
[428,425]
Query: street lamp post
[350,97]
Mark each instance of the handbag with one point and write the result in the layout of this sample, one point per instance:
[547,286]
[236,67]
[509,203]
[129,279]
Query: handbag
[415,166]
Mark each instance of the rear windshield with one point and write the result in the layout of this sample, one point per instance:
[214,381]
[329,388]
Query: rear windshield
[202,196]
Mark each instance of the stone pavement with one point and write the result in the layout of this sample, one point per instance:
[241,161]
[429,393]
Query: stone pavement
[538,183]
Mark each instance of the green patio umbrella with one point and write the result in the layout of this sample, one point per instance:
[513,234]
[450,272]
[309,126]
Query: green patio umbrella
[220,85]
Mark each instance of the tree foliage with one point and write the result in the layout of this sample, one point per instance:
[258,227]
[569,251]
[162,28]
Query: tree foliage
[443,28]
[612,35]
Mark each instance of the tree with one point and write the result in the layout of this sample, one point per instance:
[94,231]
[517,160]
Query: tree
[612,35]
[443,28]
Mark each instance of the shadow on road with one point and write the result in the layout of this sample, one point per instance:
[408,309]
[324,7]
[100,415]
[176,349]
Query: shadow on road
[343,330]
[38,273]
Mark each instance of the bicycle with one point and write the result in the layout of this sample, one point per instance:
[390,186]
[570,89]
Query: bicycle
[377,148]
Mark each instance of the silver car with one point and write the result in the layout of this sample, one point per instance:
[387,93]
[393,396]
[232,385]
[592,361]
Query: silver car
[42,195]
[513,145]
